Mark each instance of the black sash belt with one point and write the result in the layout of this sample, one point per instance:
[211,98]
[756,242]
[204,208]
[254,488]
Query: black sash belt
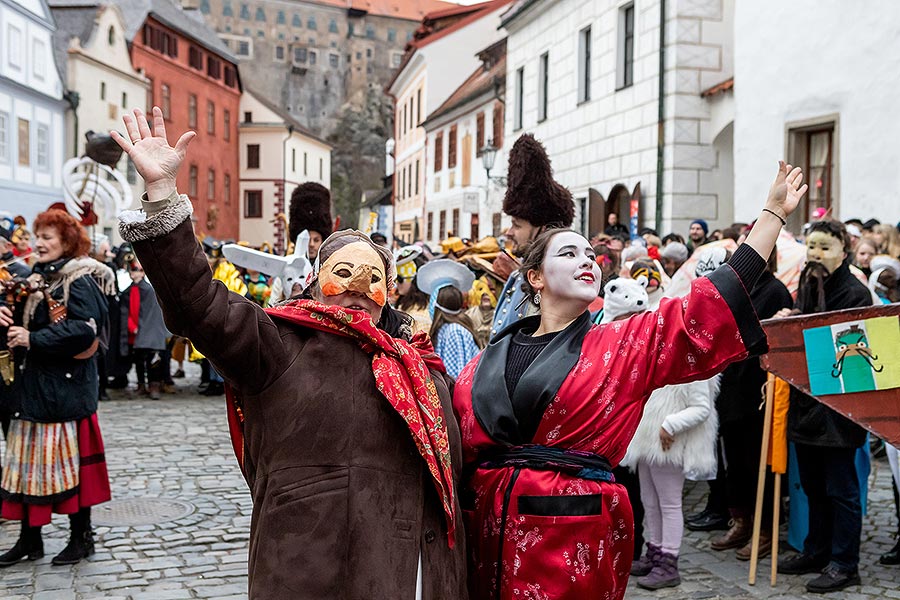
[583,465]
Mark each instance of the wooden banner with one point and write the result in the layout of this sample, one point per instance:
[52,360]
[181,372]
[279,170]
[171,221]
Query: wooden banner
[854,359]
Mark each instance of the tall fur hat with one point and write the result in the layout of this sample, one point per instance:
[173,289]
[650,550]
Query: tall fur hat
[532,193]
[310,209]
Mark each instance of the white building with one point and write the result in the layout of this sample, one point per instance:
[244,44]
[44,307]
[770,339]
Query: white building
[459,197]
[583,77]
[277,155]
[32,136]
[824,96]
[92,54]
[438,61]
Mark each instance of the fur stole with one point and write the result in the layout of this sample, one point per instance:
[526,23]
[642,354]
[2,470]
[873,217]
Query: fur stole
[63,278]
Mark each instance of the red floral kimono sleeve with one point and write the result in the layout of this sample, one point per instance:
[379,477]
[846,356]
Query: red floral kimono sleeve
[694,337]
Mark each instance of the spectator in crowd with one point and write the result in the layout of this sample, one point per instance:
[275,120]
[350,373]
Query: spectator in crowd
[866,249]
[143,333]
[452,331]
[697,234]
[741,427]
[855,233]
[825,441]
[18,268]
[54,460]
[673,256]
[310,209]
[101,251]
[888,240]
[535,202]
[884,278]
[613,227]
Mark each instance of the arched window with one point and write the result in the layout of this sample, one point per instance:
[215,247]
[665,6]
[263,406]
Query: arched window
[226,9]
[245,12]
[261,14]
[281,18]
[111,35]
[311,23]
[296,22]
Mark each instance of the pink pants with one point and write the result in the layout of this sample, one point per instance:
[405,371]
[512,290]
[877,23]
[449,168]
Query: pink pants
[661,489]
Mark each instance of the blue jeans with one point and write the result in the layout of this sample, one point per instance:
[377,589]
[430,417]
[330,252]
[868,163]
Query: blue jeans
[828,476]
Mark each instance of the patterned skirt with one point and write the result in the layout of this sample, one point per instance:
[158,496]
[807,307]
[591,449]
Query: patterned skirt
[53,467]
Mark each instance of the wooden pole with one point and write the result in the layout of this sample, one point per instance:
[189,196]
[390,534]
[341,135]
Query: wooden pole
[761,479]
[776,508]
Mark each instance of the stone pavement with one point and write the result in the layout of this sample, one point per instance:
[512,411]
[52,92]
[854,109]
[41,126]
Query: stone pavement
[178,448]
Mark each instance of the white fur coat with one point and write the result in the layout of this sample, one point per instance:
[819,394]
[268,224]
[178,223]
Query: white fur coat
[687,411]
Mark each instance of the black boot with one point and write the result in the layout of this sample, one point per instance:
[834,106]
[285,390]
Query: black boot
[30,545]
[81,539]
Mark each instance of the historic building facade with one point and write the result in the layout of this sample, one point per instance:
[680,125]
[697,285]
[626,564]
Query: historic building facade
[194,80]
[584,77]
[32,131]
[277,155]
[92,54]
[310,57]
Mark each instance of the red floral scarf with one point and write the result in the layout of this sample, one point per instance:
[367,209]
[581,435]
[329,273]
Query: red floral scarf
[401,375]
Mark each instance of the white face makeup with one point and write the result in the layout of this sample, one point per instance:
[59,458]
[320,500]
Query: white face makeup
[825,250]
[570,269]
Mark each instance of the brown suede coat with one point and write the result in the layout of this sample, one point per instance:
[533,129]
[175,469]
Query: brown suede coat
[343,504]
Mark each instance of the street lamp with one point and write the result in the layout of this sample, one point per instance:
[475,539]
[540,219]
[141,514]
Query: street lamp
[488,156]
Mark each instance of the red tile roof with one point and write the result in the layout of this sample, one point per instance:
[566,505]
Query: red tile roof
[719,88]
[411,10]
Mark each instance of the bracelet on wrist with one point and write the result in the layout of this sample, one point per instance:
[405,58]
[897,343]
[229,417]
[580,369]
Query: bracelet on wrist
[779,217]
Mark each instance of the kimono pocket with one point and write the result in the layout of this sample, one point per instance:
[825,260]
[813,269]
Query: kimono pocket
[561,506]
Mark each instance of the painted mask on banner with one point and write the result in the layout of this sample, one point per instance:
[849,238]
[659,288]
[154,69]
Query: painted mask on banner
[825,249]
[358,268]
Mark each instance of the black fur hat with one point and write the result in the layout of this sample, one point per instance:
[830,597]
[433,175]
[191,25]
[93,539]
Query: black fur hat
[310,208]
[532,193]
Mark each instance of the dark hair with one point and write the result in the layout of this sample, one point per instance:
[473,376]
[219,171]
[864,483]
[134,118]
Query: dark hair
[835,229]
[75,240]
[450,298]
[731,233]
[395,323]
[534,258]
[414,298]
[672,237]
[772,263]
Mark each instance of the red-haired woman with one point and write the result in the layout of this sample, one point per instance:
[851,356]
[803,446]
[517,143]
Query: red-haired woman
[54,458]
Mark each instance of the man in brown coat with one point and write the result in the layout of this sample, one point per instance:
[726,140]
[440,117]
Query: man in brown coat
[347,439]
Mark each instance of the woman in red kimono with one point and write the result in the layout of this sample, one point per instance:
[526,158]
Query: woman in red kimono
[549,407]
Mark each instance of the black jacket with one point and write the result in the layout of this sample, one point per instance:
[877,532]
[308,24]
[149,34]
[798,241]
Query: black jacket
[55,387]
[739,392]
[809,421]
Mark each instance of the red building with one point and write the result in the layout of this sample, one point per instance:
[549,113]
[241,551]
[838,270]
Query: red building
[194,80]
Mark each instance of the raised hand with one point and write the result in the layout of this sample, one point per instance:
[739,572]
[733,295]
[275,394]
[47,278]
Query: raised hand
[153,157]
[786,191]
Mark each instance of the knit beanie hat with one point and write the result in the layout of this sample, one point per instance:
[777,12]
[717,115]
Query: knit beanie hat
[702,225]
[674,251]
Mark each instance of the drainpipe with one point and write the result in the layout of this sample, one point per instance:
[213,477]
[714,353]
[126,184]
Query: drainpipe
[74,99]
[284,200]
[660,125]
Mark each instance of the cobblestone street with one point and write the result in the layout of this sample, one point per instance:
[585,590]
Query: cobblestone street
[178,449]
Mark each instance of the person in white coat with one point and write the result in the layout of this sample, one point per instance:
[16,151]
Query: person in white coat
[675,440]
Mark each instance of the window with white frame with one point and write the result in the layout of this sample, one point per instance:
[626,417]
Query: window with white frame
[625,53]
[520,97]
[543,86]
[43,148]
[584,65]
[4,137]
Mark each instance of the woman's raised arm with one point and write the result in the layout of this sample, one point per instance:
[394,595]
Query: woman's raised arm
[236,335]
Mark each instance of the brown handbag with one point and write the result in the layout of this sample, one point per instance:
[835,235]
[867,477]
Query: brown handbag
[58,313]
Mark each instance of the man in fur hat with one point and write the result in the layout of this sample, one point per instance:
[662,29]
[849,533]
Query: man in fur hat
[536,202]
[310,209]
